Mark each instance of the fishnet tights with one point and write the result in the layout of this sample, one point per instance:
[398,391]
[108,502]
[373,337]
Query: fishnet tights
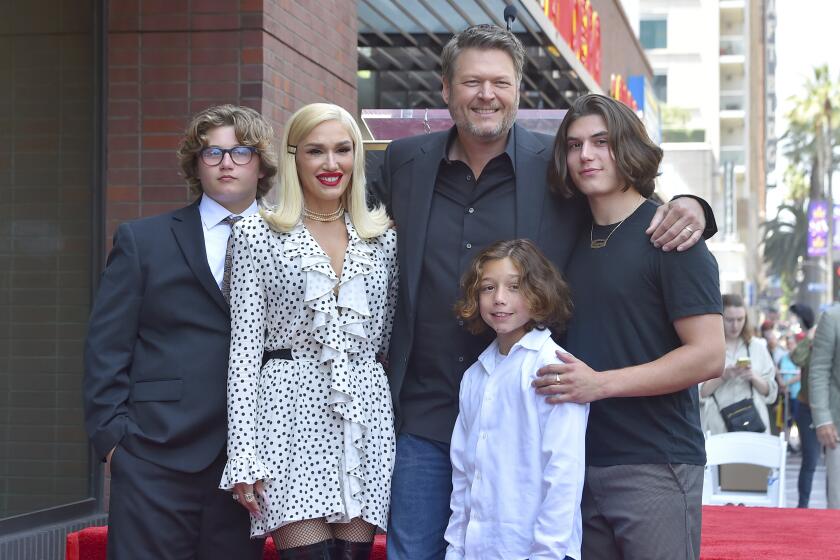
[312,531]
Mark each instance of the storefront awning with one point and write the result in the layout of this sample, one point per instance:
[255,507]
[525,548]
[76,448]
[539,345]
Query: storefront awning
[401,40]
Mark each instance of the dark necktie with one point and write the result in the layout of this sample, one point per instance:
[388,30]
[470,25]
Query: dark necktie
[230,220]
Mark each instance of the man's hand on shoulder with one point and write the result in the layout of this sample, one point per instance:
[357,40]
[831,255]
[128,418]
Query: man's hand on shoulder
[571,381]
[678,224]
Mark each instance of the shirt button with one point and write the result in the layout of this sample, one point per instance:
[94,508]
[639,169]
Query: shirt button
[469,178]
[460,358]
[483,435]
[460,323]
[470,210]
[468,245]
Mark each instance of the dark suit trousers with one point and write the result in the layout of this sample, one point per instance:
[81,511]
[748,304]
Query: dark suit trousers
[159,513]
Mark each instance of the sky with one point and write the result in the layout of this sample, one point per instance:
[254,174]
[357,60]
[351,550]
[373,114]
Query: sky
[806,37]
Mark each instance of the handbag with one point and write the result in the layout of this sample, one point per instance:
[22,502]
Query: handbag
[742,416]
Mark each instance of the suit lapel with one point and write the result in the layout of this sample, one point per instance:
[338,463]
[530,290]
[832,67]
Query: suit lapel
[531,185]
[423,175]
[189,233]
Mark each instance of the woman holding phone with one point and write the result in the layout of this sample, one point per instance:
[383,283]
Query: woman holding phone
[748,371]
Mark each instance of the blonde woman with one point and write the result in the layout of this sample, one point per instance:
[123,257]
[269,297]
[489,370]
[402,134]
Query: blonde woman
[748,372]
[313,289]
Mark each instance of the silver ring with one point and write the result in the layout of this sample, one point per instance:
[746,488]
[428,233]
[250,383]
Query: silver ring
[249,497]
[235,497]
[690,230]
[557,378]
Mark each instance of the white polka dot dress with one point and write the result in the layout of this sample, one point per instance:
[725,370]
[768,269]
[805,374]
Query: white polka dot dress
[318,429]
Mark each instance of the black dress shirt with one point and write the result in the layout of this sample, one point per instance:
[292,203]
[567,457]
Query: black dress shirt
[467,215]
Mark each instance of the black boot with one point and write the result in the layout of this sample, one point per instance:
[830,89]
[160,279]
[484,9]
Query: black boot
[349,550]
[318,551]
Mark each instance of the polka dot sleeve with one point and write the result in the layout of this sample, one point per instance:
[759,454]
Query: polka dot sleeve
[389,249]
[248,316]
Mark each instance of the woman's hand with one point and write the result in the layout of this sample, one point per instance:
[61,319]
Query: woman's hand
[731,372]
[246,494]
[746,373]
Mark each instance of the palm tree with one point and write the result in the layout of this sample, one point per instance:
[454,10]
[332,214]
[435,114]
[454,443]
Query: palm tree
[813,121]
[785,242]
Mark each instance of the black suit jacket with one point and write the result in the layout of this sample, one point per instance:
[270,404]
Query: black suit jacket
[406,182]
[156,355]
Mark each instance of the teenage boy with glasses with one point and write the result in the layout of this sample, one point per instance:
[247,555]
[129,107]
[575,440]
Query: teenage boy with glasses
[156,356]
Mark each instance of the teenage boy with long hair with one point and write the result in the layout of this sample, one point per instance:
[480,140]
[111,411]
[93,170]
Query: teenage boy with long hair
[646,330]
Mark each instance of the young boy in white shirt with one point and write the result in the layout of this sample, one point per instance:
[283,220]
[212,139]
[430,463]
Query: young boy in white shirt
[518,462]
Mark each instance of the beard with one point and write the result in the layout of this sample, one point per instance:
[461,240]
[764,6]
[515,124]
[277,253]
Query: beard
[483,132]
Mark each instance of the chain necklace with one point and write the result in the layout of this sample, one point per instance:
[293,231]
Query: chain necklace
[329,217]
[600,243]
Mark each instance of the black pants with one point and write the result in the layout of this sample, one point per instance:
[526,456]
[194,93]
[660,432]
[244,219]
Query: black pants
[170,515]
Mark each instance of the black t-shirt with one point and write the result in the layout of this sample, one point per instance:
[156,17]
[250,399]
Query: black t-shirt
[627,296]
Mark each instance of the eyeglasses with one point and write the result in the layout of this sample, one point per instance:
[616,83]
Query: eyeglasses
[240,155]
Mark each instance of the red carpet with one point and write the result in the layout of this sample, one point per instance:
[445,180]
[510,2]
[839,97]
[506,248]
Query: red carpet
[750,533]
[89,544]
[729,533]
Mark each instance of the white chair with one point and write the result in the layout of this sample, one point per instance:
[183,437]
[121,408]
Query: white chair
[749,448]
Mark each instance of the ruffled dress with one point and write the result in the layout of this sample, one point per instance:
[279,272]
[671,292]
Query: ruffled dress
[317,429]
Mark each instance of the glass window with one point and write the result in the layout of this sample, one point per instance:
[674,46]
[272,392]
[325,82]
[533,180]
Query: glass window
[653,33]
[47,133]
[660,87]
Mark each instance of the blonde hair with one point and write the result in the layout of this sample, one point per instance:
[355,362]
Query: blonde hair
[251,129]
[286,213]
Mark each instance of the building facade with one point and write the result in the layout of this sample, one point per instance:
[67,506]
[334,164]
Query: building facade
[709,64]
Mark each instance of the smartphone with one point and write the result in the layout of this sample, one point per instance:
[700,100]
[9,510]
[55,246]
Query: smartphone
[743,362]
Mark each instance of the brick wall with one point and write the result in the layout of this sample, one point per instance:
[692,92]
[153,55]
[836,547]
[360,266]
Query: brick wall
[168,59]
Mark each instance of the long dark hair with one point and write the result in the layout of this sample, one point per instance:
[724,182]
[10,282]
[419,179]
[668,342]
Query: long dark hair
[637,158]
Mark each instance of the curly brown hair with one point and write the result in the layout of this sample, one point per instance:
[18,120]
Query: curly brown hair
[251,130]
[542,285]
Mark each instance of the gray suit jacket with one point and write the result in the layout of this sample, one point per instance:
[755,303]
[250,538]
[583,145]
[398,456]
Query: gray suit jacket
[824,372]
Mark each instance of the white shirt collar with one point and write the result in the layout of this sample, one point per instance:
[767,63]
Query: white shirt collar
[212,213]
[533,340]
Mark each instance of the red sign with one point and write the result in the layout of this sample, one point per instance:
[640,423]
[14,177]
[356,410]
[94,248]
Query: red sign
[619,91]
[580,27]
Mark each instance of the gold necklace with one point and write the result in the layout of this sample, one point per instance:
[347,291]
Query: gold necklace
[329,217]
[601,243]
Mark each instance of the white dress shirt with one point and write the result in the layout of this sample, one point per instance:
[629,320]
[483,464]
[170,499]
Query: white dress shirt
[216,233]
[518,463]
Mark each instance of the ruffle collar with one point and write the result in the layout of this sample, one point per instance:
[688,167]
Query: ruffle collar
[338,324]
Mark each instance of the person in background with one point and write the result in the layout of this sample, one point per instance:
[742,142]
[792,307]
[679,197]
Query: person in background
[789,380]
[157,351]
[800,355]
[824,396]
[776,410]
[748,372]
